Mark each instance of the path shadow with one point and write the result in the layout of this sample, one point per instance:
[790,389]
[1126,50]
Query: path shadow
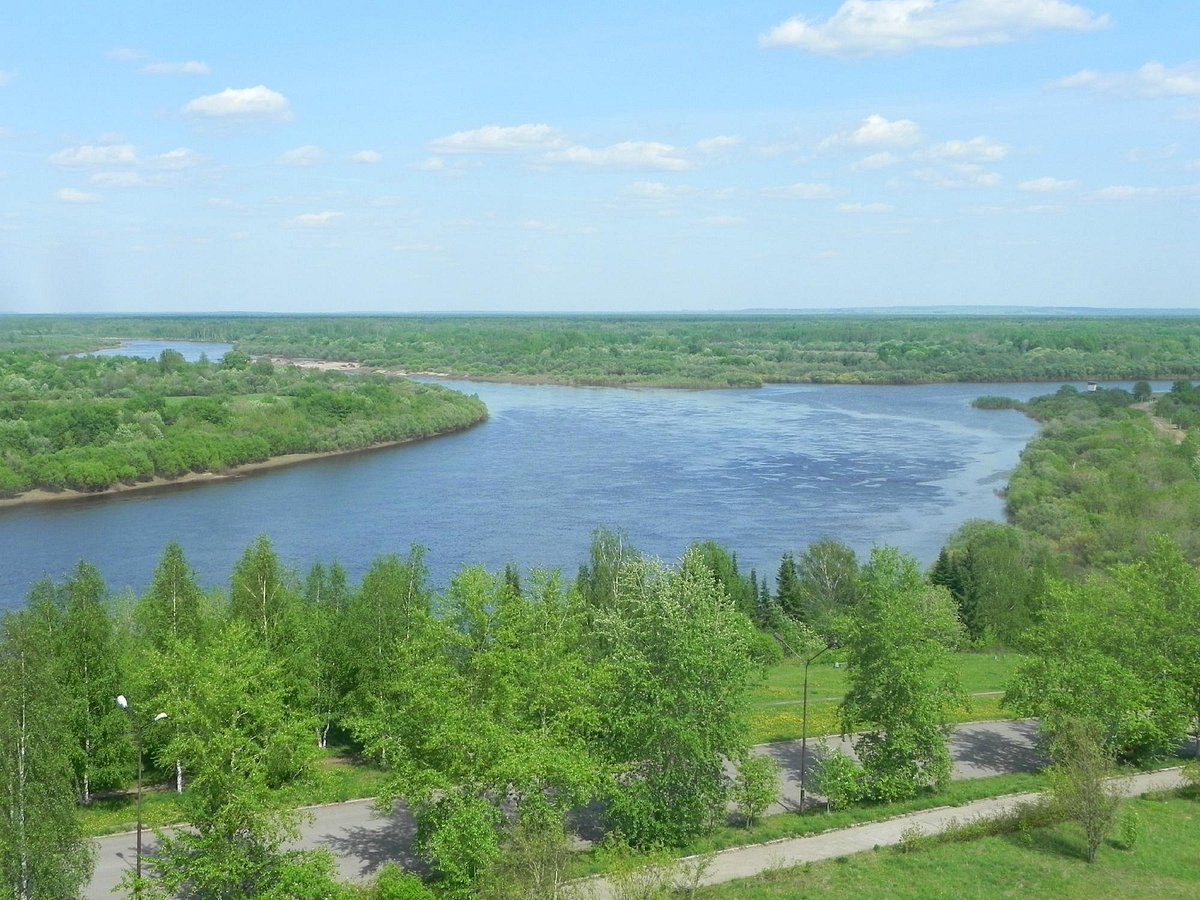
[371,847]
[980,752]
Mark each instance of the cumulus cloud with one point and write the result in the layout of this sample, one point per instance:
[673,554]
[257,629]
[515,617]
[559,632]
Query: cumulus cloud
[871,27]
[258,103]
[317,219]
[876,161]
[1130,192]
[724,221]
[191,67]
[864,207]
[118,179]
[657,190]
[625,155]
[70,195]
[308,155]
[958,176]
[179,158]
[1151,80]
[804,191]
[95,155]
[1047,185]
[367,156]
[719,144]
[501,139]
[978,149]
[876,131]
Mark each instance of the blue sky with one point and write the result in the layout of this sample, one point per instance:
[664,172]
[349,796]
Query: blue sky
[308,156]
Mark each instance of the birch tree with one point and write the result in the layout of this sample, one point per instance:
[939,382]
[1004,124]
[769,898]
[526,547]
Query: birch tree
[42,854]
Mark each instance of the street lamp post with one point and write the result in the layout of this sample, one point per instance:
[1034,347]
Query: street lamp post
[804,729]
[135,729]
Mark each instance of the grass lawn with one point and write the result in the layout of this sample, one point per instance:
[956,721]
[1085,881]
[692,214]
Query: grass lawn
[1164,861]
[776,702]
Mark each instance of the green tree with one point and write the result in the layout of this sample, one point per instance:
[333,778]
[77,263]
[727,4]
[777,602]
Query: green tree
[43,856]
[263,595]
[787,589]
[100,747]
[826,582]
[1080,786]
[902,684]
[1117,649]
[675,658]
[236,735]
[1142,391]
[325,601]
[755,787]
[996,574]
[172,609]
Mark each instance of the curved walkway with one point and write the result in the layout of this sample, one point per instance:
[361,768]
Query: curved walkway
[744,862]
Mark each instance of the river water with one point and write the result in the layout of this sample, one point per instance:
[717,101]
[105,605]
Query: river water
[761,471]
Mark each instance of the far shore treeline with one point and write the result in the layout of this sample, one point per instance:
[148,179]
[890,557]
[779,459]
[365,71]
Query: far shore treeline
[681,350]
[92,423]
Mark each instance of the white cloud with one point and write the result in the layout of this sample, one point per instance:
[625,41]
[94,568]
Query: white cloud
[258,103]
[191,67]
[501,139]
[1192,166]
[656,190]
[95,155]
[1124,192]
[977,149]
[625,155]
[70,195]
[958,176]
[1047,185]
[367,156]
[876,161]
[1151,80]
[719,144]
[125,54]
[5,78]
[1130,192]
[118,179]
[308,155]
[317,220]
[805,191]
[179,158]
[869,27]
[864,207]
[877,131]
[724,221]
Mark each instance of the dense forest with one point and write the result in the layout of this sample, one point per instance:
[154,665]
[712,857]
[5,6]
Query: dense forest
[89,423]
[692,351]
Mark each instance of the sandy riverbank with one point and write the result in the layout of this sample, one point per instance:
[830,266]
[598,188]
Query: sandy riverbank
[37,496]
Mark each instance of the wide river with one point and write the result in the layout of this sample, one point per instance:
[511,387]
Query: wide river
[760,471]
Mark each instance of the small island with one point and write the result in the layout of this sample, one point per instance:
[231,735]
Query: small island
[76,426]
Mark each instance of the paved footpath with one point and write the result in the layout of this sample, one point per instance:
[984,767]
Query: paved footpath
[743,862]
[362,839]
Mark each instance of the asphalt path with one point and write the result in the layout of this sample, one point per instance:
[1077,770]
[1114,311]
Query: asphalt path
[363,839]
[745,862]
